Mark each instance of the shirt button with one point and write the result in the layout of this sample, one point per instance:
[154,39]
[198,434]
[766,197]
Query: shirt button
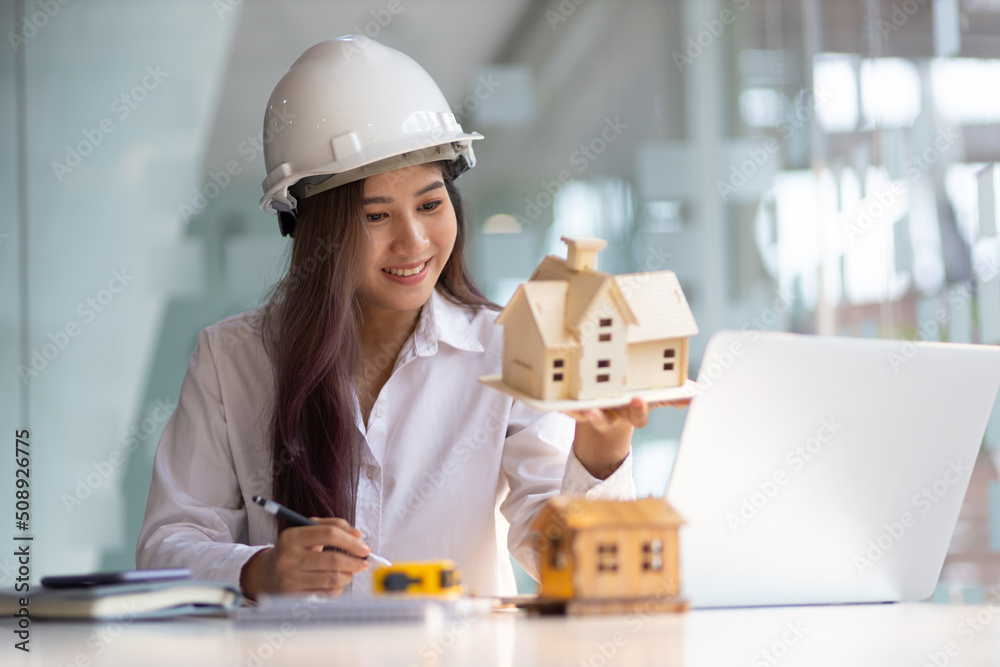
[379,411]
[370,472]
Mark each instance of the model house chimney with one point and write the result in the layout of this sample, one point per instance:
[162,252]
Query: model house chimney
[582,255]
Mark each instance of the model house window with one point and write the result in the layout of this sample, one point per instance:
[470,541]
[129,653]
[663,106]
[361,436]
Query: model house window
[668,353]
[603,378]
[652,556]
[668,367]
[558,363]
[607,557]
[603,363]
[604,338]
[557,377]
[606,322]
[557,554]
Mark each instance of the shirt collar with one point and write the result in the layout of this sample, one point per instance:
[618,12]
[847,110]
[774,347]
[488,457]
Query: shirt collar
[444,321]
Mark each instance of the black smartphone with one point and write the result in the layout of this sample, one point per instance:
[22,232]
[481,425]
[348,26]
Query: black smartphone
[111,578]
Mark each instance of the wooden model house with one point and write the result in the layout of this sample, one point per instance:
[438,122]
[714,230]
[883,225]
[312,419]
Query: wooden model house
[573,332]
[608,551]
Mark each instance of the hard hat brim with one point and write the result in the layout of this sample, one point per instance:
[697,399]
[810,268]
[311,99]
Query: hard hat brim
[282,195]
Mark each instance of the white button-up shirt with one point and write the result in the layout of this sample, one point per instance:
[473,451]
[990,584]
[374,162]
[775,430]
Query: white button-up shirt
[449,463]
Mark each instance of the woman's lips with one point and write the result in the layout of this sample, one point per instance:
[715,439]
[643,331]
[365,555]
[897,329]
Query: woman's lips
[409,275]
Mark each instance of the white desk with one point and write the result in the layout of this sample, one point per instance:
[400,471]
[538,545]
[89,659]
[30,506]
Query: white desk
[883,635]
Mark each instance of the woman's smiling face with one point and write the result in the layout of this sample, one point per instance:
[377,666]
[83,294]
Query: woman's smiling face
[412,226]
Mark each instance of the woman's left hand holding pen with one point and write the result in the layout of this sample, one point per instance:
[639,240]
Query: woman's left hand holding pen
[297,563]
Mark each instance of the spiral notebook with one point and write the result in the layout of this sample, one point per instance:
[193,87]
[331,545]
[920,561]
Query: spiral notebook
[312,608]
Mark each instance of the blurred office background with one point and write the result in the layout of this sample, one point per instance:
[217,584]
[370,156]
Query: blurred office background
[802,165]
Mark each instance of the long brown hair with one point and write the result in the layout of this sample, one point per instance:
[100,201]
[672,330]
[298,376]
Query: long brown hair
[312,335]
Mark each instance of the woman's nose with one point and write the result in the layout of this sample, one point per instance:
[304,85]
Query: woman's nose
[410,237]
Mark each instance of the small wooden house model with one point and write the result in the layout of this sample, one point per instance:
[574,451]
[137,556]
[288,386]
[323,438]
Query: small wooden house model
[610,551]
[573,332]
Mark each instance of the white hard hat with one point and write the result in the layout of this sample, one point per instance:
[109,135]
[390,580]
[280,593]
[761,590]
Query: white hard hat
[350,108]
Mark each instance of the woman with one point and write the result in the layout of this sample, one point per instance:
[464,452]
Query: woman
[353,395]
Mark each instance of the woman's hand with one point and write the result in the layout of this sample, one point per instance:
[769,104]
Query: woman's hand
[603,436]
[297,563]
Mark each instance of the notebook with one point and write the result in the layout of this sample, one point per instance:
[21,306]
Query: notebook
[124,601]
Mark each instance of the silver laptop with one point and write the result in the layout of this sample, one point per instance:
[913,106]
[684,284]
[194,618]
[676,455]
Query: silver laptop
[819,470]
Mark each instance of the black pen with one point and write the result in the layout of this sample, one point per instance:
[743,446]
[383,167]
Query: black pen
[297,519]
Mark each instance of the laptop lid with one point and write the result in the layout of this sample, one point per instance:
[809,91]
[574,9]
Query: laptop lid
[826,470]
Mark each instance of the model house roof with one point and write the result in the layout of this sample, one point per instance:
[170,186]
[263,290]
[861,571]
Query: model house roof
[577,513]
[583,291]
[546,300]
[652,303]
[583,287]
[658,299]
[552,267]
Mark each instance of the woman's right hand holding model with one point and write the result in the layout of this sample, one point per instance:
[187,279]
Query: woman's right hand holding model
[297,563]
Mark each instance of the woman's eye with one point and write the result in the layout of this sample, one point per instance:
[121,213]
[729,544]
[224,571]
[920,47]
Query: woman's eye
[375,217]
[431,205]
